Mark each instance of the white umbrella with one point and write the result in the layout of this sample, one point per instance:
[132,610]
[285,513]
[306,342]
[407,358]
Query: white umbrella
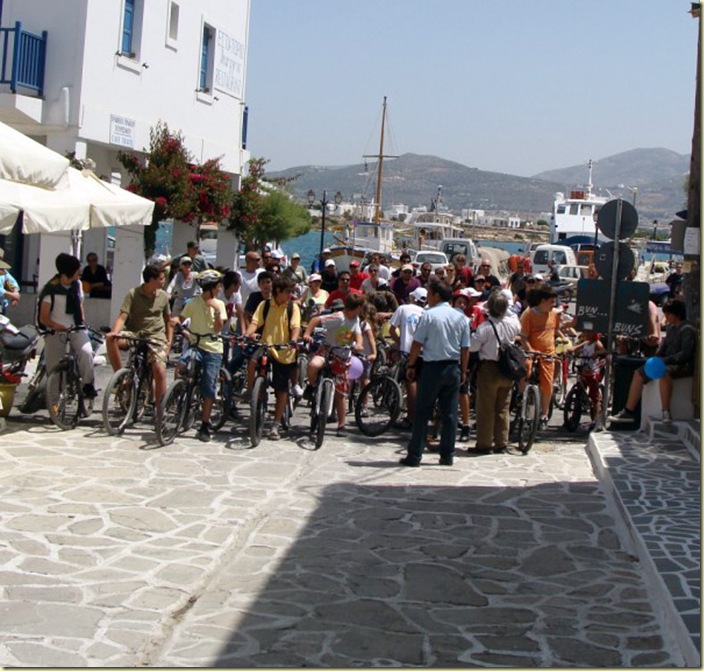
[79,201]
[24,160]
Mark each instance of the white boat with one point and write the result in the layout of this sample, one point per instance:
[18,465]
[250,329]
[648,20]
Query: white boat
[368,232]
[575,215]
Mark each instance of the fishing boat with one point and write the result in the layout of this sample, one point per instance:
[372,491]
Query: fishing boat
[575,215]
[368,232]
[428,228]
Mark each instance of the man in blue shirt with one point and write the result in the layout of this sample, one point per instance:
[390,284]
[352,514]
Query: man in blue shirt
[443,336]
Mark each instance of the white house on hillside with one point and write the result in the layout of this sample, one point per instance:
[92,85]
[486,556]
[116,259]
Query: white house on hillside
[94,76]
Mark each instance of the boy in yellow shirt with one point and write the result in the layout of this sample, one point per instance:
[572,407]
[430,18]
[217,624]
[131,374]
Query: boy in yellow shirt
[207,315]
[280,325]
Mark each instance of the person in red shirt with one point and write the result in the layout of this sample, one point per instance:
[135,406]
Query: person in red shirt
[343,288]
[356,275]
[462,269]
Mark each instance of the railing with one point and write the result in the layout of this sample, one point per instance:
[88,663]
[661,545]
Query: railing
[24,57]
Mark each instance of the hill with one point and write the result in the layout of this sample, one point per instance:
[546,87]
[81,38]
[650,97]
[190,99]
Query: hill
[413,179]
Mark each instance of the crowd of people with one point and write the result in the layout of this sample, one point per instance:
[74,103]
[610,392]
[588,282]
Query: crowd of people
[449,321]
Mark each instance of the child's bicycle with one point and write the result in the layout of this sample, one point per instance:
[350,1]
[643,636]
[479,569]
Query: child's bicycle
[578,400]
[182,401]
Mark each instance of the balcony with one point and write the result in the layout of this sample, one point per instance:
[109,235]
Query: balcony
[23,60]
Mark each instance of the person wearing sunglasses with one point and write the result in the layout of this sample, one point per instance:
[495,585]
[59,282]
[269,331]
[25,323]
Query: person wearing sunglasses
[343,289]
[485,270]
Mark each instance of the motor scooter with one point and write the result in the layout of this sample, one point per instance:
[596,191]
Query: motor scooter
[17,347]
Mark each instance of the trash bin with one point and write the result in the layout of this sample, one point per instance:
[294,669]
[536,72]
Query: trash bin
[624,368]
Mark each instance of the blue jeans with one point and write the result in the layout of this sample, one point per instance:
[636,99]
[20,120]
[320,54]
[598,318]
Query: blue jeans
[209,371]
[439,380]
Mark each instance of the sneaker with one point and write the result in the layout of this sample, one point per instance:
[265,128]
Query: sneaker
[297,391]
[341,432]
[89,391]
[464,436]
[203,434]
[623,415]
[543,424]
[273,433]
[666,417]
[246,396]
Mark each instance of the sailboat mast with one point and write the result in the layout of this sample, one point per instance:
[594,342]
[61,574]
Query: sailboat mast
[377,209]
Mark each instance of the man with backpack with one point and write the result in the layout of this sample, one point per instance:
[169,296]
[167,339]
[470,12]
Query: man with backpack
[61,307]
[278,320]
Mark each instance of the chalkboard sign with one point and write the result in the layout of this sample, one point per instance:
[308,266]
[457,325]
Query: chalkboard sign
[631,310]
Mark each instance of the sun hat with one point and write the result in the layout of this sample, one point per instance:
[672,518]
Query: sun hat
[314,278]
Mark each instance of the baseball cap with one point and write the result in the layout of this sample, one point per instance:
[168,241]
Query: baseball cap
[295,255]
[420,294]
[314,278]
[509,295]
[185,259]
[329,262]
[354,263]
[538,277]
[472,292]
[338,304]
[327,251]
[406,266]
[191,244]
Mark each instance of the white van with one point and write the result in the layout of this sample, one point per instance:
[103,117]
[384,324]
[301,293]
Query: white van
[560,255]
[451,247]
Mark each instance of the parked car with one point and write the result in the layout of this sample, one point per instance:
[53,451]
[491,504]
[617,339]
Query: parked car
[558,254]
[569,276]
[435,259]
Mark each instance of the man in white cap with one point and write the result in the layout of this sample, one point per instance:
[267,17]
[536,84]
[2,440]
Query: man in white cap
[329,276]
[402,326]
[319,263]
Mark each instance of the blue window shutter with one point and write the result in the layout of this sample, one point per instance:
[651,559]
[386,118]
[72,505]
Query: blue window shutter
[204,58]
[128,27]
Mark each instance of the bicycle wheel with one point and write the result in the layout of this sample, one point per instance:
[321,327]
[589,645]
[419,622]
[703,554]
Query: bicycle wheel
[323,405]
[378,406]
[257,411]
[223,400]
[144,397]
[62,396]
[119,401]
[573,408]
[36,396]
[530,417]
[173,410]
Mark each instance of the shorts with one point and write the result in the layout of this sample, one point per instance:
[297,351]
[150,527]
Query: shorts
[281,374]
[676,372]
[210,363]
[157,354]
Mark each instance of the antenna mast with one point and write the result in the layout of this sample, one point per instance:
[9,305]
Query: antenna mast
[380,157]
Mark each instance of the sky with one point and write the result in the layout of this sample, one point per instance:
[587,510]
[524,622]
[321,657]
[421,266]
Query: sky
[513,86]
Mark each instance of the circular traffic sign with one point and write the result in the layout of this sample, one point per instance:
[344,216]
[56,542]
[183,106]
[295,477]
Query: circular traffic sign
[604,260]
[606,219]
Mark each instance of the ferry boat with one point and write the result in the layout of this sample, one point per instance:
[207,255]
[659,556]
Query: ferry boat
[575,215]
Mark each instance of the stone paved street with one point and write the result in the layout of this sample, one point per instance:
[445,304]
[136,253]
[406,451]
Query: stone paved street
[116,552]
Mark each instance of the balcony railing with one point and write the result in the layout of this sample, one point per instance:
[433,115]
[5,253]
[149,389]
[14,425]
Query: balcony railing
[23,59]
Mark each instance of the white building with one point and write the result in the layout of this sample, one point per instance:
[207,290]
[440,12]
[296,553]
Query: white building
[111,70]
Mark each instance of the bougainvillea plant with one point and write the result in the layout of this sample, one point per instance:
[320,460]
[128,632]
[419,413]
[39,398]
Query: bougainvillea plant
[180,188]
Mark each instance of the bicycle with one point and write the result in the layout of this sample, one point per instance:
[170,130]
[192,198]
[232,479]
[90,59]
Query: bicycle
[560,382]
[182,399]
[578,400]
[331,378]
[260,393]
[527,405]
[381,400]
[65,400]
[129,394]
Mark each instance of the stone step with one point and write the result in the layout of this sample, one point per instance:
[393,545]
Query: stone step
[654,482]
[687,431]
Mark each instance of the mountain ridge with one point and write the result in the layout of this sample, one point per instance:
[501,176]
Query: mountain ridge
[656,176]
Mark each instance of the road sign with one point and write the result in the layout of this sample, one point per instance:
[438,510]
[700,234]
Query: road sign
[604,260]
[606,219]
[631,313]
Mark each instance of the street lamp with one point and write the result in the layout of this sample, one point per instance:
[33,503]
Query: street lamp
[324,205]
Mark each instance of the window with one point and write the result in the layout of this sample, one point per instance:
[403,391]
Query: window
[205,82]
[131,28]
[172,25]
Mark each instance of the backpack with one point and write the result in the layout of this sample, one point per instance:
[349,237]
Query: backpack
[512,359]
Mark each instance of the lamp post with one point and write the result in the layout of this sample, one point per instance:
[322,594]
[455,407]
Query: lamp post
[324,205]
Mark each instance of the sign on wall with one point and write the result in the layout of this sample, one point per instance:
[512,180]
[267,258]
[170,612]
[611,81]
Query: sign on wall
[122,131]
[631,318]
[228,68]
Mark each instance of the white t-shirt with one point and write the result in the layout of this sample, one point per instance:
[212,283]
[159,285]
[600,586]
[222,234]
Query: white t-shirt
[368,288]
[249,283]
[339,330]
[405,319]
[384,272]
[58,312]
